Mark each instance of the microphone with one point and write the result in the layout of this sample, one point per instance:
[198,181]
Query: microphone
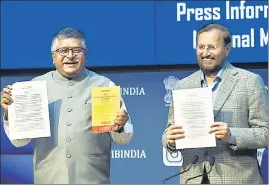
[194,160]
[211,162]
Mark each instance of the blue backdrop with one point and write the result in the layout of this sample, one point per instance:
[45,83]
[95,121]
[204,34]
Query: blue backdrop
[142,161]
[127,33]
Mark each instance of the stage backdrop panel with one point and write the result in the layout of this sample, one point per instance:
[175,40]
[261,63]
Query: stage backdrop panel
[17,169]
[147,96]
[129,33]
[6,146]
[178,21]
[118,33]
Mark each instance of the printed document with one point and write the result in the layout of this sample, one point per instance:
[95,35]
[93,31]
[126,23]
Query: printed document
[193,110]
[105,105]
[28,115]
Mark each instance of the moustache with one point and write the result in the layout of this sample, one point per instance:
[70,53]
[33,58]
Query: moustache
[211,58]
[70,62]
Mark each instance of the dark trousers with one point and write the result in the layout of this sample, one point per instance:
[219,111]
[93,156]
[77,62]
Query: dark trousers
[205,179]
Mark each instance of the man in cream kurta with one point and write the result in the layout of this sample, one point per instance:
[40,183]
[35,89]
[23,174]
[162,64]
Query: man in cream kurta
[73,154]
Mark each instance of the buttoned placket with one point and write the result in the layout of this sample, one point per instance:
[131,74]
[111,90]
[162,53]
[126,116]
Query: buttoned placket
[70,111]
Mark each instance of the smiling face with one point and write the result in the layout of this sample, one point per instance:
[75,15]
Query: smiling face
[211,51]
[69,58]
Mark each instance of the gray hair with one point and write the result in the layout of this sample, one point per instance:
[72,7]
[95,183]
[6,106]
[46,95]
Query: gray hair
[212,26]
[68,33]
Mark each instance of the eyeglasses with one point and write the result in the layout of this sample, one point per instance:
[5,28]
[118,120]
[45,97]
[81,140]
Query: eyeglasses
[65,51]
[209,47]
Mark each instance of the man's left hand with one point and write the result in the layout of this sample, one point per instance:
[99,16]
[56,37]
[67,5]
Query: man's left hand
[121,119]
[221,130]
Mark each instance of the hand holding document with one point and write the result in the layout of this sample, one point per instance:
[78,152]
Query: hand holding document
[28,115]
[193,110]
[105,105]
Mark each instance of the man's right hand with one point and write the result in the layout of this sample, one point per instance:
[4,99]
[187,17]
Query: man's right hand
[174,132]
[6,98]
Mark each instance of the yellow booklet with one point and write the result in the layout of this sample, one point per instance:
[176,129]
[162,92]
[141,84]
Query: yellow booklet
[105,105]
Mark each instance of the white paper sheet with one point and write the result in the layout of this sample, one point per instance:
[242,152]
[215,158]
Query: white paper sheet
[193,110]
[28,115]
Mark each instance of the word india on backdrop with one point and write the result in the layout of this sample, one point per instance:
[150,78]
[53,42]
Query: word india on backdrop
[128,154]
[132,91]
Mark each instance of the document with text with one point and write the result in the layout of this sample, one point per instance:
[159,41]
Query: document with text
[105,105]
[193,110]
[28,115]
